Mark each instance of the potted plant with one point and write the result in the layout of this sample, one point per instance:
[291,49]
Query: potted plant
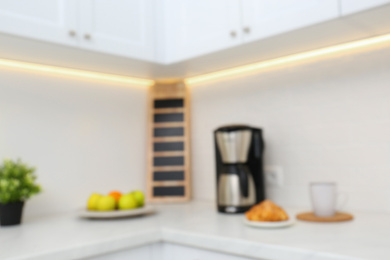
[17,184]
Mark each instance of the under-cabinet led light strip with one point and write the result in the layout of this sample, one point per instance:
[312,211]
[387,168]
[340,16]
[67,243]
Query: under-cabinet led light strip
[74,72]
[200,78]
[287,59]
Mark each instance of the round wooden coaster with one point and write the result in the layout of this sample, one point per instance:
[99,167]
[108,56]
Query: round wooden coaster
[339,216]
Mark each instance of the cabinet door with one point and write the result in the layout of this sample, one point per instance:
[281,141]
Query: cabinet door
[265,18]
[194,28]
[178,252]
[120,27]
[139,253]
[353,6]
[47,20]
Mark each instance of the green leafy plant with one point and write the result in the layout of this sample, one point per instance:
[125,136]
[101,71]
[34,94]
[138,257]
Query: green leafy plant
[17,181]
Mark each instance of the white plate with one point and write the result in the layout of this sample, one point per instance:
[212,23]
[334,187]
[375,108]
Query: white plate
[269,224]
[147,209]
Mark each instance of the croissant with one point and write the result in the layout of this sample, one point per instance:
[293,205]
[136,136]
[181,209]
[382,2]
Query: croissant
[266,211]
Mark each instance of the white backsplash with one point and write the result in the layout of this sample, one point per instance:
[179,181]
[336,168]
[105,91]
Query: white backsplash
[83,136]
[326,120]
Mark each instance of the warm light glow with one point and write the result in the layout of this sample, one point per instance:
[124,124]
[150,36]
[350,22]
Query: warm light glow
[201,78]
[288,59]
[74,72]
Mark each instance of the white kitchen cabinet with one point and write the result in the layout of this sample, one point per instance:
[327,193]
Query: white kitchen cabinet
[354,6]
[48,20]
[179,252]
[266,18]
[194,28]
[121,27]
[148,252]
[166,251]
[179,38]
[209,26]
[139,253]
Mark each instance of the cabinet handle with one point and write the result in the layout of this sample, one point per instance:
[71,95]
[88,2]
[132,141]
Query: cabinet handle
[247,29]
[72,33]
[233,34]
[87,36]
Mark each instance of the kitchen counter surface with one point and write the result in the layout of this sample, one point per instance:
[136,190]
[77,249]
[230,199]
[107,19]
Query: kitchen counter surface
[197,224]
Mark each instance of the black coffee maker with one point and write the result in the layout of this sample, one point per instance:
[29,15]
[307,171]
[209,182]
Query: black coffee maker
[239,163]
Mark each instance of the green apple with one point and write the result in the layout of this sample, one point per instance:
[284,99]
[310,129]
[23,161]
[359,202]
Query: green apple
[106,203]
[127,201]
[92,201]
[140,197]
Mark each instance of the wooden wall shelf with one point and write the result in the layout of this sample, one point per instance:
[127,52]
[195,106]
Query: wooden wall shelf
[169,143]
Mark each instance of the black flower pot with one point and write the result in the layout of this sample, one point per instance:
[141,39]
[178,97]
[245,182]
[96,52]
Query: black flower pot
[11,213]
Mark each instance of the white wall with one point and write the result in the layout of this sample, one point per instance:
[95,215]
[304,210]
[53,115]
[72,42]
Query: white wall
[83,136]
[326,120]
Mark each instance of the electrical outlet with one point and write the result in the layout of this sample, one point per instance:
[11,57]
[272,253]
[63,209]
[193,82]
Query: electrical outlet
[274,175]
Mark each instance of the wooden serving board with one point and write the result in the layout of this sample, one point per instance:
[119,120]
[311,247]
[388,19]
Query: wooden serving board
[339,216]
[169,143]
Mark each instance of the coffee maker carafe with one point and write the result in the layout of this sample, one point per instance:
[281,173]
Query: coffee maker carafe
[239,164]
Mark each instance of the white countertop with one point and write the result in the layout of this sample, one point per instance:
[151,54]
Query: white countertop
[197,224]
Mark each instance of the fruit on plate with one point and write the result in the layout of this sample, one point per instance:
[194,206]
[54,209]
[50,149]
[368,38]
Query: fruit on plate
[266,211]
[92,201]
[127,201]
[140,197]
[106,203]
[116,195]
[116,200]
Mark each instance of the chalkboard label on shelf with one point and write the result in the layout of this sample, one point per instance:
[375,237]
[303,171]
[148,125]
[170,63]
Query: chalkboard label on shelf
[168,146]
[168,176]
[168,117]
[168,191]
[169,103]
[169,131]
[168,161]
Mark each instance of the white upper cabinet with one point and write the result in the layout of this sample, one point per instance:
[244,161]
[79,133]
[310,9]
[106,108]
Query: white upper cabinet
[48,20]
[208,26]
[120,27]
[194,28]
[353,6]
[172,31]
[265,18]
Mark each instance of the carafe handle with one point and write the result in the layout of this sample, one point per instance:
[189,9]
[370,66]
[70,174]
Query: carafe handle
[244,182]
